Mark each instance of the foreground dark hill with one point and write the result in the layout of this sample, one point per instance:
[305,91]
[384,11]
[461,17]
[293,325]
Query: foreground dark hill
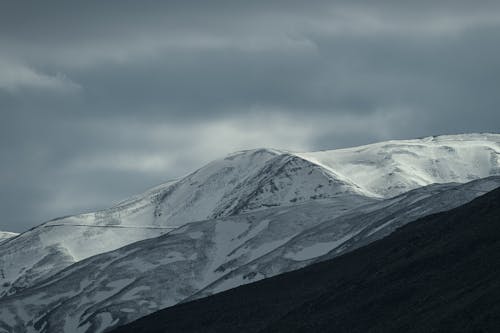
[438,274]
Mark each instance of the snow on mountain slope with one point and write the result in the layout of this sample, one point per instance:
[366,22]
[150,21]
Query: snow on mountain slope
[4,235]
[394,167]
[247,181]
[353,230]
[222,190]
[7,234]
[242,182]
[162,271]
[211,256]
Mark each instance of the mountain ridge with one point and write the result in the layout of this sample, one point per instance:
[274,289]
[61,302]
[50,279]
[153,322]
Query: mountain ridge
[284,211]
[252,180]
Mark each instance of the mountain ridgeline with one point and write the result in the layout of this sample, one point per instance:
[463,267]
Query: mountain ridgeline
[240,219]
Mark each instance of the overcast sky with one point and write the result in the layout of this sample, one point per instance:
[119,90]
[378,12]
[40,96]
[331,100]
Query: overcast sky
[100,100]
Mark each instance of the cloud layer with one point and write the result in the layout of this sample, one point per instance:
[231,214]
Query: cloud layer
[100,100]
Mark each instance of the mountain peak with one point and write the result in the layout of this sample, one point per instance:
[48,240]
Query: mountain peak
[254,153]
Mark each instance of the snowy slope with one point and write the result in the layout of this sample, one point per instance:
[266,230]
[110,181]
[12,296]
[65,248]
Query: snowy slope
[394,167]
[242,182]
[4,235]
[168,268]
[214,255]
[353,230]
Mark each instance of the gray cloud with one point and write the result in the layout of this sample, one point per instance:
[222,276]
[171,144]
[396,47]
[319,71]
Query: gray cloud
[100,100]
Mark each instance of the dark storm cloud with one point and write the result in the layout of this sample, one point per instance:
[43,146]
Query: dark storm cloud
[102,99]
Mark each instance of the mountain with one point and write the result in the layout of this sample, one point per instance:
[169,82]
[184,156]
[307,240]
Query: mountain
[438,274]
[244,182]
[248,216]
[211,256]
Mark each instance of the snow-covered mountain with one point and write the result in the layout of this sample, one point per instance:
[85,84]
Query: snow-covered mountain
[210,256]
[242,182]
[253,214]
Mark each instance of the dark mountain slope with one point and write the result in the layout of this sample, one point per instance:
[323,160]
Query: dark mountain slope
[438,274]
